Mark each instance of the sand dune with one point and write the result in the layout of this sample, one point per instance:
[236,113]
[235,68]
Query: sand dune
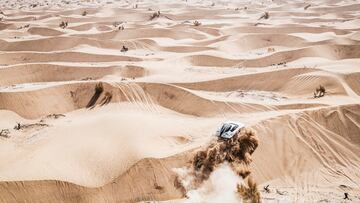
[28,57]
[4,26]
[257,41]
[102,123]
[311,157]
[288,30]
[89,26]
[63,43]
[314,134]
[332,52]
[160,171]
[78,95]
[249,42]
[125,154]
[353,81]
[143,33]
[43,31]
[35,73]
[256,81]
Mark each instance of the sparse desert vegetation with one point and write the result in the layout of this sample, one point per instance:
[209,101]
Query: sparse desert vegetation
[5,133]
[116,24]
[270,50]
[63,24]
[196,23]
[24,26]
[124,49]
[55,116]
[265,16]
[36,125]
[155,15]
[267,189]
[319,92]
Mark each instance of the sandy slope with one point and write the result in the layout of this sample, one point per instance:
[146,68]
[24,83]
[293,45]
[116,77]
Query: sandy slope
[164,98]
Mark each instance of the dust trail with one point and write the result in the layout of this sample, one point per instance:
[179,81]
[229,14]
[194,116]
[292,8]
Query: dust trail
[220,187]
[218,172]
[235,151]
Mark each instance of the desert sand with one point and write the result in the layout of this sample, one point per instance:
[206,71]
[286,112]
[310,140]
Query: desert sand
[258,62]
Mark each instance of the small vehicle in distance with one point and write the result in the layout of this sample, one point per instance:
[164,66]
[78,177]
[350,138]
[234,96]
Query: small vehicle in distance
[229,129]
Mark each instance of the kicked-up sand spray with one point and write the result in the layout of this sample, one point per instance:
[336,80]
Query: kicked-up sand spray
[218,172]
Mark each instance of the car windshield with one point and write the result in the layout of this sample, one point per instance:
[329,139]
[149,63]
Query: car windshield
[234,127]
[228,127]
[225,128]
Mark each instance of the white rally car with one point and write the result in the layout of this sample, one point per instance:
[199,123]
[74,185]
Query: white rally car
[229,129]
